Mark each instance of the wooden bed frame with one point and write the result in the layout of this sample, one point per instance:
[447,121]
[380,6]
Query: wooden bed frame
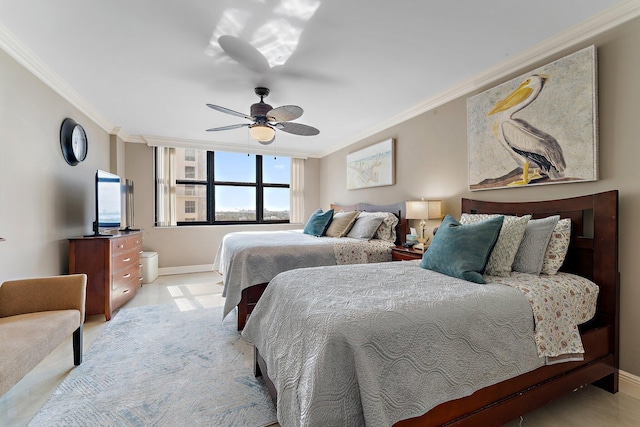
[593,253]
[250,296]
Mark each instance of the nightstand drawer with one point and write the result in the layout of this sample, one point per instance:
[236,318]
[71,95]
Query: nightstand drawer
[400,253]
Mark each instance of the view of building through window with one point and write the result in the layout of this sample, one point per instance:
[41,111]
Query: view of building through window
[237,189]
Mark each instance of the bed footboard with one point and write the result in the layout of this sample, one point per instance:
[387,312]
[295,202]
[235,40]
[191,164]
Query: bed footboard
[248,301]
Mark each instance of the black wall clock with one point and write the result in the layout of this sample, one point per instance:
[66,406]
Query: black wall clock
[73,141]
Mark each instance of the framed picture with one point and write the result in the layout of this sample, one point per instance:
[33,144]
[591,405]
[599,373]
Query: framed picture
[539,128]
[371,166]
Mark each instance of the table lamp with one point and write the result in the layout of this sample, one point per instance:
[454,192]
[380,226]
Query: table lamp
[424,210]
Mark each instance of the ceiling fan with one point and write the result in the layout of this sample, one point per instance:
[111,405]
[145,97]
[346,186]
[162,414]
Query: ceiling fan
[266,119]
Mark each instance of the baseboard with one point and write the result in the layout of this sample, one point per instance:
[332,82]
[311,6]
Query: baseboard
[629,384]
[166,271]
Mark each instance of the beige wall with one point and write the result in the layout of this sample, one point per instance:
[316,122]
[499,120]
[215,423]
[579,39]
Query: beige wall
[193,246]
[431,154]
[43,200]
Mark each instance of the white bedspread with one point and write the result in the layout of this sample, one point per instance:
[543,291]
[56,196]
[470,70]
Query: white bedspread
[249,258]
[377,343]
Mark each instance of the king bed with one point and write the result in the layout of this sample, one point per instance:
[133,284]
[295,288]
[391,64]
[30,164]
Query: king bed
[247,261]
[397,344]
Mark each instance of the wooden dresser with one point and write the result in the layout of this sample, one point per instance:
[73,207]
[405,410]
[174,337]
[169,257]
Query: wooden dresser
[113,267]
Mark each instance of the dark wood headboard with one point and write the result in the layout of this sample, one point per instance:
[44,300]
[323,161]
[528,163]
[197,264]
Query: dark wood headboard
[593,250]
[399,209]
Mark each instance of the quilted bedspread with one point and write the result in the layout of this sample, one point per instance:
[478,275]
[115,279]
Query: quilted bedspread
[374,344]
[249,258]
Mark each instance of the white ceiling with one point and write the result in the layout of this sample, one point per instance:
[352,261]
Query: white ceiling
[149,67]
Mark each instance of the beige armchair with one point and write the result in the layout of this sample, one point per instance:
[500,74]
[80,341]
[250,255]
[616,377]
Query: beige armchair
[37,315]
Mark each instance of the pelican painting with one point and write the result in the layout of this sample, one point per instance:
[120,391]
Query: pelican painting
[536,129]
[528,145]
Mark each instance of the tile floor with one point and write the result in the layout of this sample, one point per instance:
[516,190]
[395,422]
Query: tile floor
[587,407]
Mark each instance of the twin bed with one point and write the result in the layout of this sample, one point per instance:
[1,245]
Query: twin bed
[396,344]
[249,260]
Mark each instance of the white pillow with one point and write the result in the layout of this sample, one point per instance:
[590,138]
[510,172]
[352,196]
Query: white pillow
[365,227]
[387,229]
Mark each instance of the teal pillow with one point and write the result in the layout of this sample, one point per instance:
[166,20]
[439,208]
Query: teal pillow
[462,251]
[318,222]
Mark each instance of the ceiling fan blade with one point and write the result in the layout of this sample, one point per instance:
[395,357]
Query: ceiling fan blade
[284,113]
[229,127]
[297,129]
[244,53]
[228,111]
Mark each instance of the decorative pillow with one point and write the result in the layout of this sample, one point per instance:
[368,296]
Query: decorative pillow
[365,227]
[462,250]
[318,222]
[557,247]
[387,229]
[534,244]
[506,247]
[341,223]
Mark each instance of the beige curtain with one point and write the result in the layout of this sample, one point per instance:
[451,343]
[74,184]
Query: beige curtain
[166,186]
[297,190]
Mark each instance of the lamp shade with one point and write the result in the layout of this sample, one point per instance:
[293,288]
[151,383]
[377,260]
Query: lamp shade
[262,133]
[424,209]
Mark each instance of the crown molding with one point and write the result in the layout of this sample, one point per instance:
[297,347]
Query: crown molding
[121,133]
[10,44]
[605,21]
[250,148]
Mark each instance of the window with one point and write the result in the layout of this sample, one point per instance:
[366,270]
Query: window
[225,188]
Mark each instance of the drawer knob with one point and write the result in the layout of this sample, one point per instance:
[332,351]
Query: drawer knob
[127,259]
[126,276]
[125,291]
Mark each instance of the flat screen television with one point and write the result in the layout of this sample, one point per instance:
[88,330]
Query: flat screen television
[108,202]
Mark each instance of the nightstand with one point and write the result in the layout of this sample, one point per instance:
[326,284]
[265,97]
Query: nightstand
[400,253]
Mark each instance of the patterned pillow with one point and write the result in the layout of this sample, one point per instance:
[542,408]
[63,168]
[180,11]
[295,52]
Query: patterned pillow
[557,247]
[387,230]
[534,244]
[506,247]
[341,223]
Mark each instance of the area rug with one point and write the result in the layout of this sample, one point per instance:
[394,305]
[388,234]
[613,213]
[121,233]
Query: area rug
[159,366]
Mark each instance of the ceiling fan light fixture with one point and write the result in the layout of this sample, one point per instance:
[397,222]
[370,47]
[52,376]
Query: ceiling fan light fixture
[262,133]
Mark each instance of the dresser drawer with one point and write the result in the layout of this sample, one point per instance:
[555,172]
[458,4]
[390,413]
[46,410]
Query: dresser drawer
[124,244]
[122,278]
[125,292]
[124,260]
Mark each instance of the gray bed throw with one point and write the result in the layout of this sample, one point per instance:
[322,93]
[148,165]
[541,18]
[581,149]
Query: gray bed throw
[378,343]
[253,257]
